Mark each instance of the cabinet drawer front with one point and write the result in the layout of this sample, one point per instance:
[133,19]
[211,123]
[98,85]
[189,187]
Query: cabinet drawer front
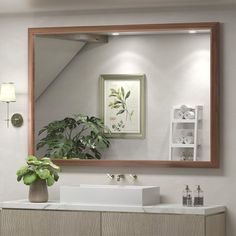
[50,223]
[131,224]
[215,225]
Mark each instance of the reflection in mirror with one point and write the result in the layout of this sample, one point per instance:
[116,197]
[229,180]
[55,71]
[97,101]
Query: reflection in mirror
[177,89]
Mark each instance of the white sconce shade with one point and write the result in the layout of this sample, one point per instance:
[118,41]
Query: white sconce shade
[7,92]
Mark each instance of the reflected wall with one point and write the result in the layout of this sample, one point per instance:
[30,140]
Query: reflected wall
[177,71]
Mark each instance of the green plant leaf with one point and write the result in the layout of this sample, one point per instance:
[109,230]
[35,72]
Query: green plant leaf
[43,173]
[40,145]
[45,160]
[70,122]
[22,171]
[31,158]
[55,167]
[127,95]
[120,112]
[19,178]
[56,176]
[119,96]
[113,90]
[35,163]
[112,95]
[29,178]
[117,102]
[116,106]
[42,130]
[122,91]
[50,180]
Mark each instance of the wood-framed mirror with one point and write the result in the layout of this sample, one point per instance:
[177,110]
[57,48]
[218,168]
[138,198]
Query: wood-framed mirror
[179,92]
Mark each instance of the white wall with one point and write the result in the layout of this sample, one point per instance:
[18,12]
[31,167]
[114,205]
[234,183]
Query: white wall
[177,71]
[51,58]
[219,184]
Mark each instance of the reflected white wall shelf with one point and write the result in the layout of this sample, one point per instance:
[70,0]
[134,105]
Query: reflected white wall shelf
[183,121]
[176,145]
[182,132]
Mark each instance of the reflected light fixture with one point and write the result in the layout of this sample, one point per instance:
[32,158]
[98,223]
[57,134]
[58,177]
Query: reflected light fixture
[8,94]
[192,31]
[115,34]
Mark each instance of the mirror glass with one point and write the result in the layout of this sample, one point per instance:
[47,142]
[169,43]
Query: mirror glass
[175,65]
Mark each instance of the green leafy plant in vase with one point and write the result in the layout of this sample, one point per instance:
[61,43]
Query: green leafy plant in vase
[38,174]
[80,137]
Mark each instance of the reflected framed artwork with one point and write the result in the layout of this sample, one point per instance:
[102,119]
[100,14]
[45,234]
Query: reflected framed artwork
[122,104]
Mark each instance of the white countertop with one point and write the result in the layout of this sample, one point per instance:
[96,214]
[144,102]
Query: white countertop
[161,208]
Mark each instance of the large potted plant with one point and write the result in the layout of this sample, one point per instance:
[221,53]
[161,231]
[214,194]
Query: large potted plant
[38,174]
[80,137]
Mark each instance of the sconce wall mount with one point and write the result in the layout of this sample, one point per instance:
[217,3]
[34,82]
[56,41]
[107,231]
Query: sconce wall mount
[17,120]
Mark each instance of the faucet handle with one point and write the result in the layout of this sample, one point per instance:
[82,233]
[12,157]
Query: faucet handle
[110,176]
[133,176]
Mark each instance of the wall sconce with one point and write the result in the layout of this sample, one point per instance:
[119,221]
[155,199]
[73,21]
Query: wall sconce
[8,94]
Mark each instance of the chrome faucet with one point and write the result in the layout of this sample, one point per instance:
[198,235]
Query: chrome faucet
[119,177]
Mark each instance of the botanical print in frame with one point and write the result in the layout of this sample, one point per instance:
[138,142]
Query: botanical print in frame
[122,104]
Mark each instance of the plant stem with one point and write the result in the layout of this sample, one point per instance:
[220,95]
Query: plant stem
[81,131]
[67,134]
[70,133]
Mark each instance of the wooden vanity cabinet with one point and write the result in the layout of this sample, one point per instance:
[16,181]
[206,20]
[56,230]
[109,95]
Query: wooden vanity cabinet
[49,223]
[19,222]
[133,224]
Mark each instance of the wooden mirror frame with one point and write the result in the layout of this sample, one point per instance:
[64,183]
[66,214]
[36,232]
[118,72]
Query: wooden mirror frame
[214,91]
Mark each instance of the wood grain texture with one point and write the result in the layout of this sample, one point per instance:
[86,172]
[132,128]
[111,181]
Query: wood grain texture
[131,224]
[214,93]
[69,223]
[121,28]
[215,96]
[215,225]
[136,163]
[49,223]
[31,93]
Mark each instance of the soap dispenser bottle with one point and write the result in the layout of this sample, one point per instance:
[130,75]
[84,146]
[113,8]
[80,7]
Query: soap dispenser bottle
[198,197]
[187,196]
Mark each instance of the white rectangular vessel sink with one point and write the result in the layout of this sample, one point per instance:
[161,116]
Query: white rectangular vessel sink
[111,194]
